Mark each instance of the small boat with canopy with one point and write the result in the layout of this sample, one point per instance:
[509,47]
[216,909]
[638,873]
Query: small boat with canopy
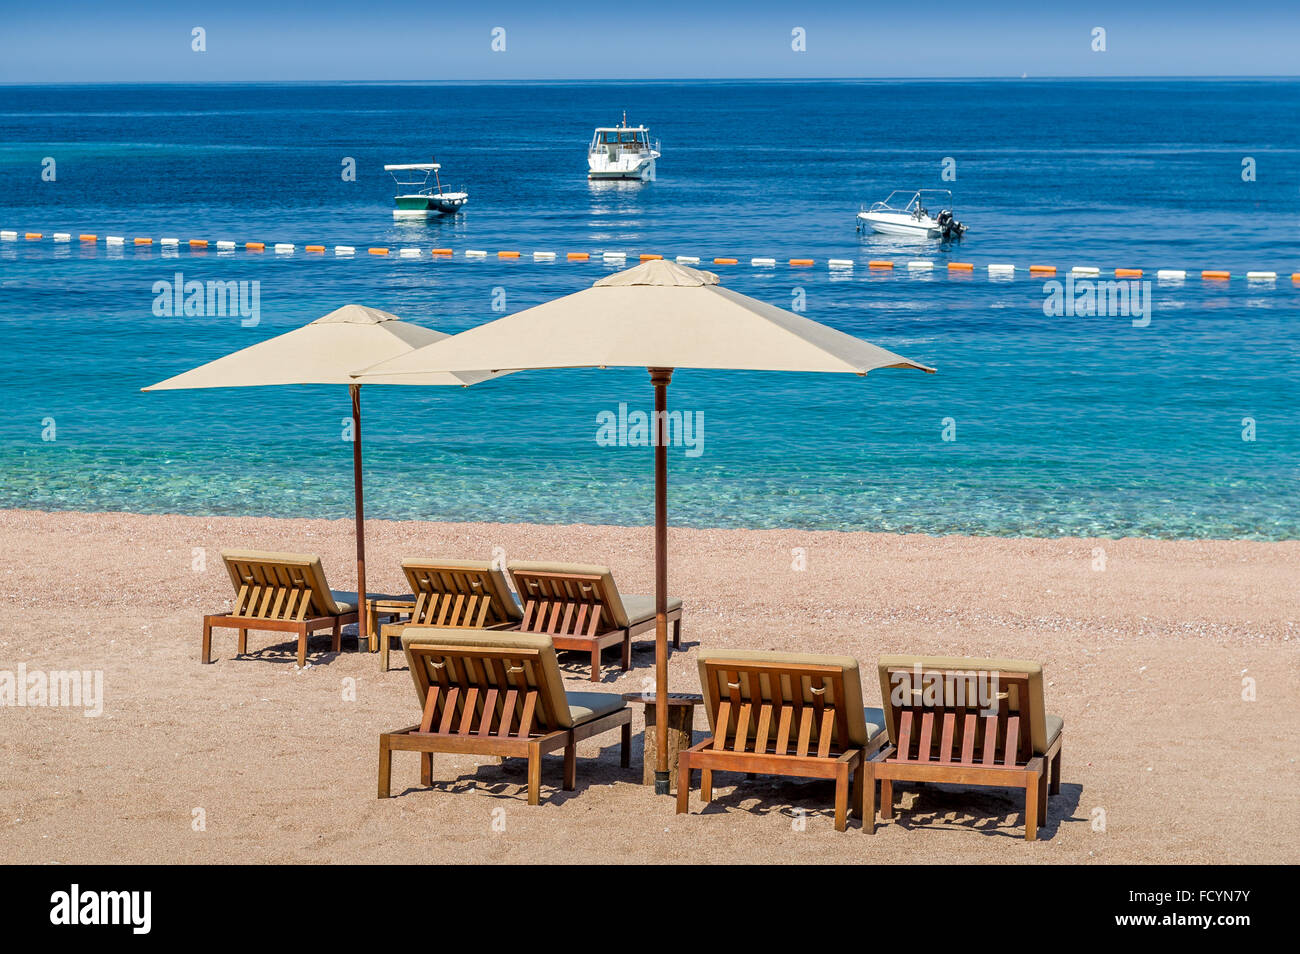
[416,197]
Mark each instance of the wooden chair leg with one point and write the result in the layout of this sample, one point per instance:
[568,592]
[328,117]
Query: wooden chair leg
[869,798]
[855,796]
[706,784]
[383,650]
[372,630]
[1042,794]
[571,766]
[683,783]
[243,642]
[627,650]
[302,647]
[625,746]
[534,773]
[206,656]
[426,769]
[385,766]
[841,796]
[677,633]
[595,664]
[336,640]
[886,798]
[1031,803]
[1055,787]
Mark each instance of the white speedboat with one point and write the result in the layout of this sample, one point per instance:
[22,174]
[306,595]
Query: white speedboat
[622,152]
[906,213]
[415,197]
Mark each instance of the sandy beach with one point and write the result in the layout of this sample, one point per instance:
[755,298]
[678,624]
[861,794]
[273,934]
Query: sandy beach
[1145,645]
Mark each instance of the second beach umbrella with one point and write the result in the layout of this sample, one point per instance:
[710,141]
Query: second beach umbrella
[660,316]
[325,351]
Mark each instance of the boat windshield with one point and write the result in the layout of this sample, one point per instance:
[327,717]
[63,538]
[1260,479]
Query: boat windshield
[904,200]
[628,138]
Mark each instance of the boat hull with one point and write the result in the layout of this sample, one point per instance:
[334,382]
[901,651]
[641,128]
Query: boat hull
[897,224]
[643,171]
[444,203]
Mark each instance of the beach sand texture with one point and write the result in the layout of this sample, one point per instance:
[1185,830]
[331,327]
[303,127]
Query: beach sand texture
[1164,761]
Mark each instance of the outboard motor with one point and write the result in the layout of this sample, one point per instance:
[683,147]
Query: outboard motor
[949,228]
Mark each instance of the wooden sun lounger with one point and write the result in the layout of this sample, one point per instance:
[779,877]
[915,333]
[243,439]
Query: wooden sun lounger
[280,592]
[793,714]
[455,594]
[497,693]
[1004,739]
[579,606]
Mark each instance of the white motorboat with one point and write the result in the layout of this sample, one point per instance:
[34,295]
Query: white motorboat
[416,197]
[906,213]
[622,152]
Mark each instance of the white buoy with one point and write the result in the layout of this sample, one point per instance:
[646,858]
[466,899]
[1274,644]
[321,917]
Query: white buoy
[543,256]
[226,245]
[1091,270]
[1171,275]
[475,253]
[1252,276]
[840,263]
[344,250]
[920,266]
[1002,269]
[8,236]
[762,262]
[169,241]
[114,240]
[688,260]
[408,253]
[284,248]
[62,237]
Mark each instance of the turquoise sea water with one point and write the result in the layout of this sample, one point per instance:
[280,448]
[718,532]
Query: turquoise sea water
[1062,425]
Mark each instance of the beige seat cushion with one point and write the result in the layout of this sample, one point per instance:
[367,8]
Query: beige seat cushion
[485,579]
[854,712]
[585,706]
[549,684]
[613,601]
[1038,728]
[347,600]
[304,565]
[640,608]
[1054,726]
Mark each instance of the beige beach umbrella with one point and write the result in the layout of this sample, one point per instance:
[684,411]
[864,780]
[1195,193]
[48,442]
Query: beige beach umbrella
[660,316]
[325,351]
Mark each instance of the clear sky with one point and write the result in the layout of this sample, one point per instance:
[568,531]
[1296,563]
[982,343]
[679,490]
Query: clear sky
[106,41]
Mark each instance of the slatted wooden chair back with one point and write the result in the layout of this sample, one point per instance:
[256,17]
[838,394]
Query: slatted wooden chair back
[962,723]
[564,604]
[278,589]
[483,692]
[459,597]
[778,708]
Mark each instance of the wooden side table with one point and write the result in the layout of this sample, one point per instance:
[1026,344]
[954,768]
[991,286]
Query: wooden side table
[391,607]
[681,722]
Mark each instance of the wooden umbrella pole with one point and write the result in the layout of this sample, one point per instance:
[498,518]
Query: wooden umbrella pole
[363,617]
[660,378]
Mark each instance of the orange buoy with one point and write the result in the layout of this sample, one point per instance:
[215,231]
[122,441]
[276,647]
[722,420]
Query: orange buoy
[801,261]
[1216,275]
[32,235]
[198,243]
[725,261]
[1128,273]
[961,267]
[378,251]
[314,248]
[144,241]
[651,258]
[88,237]
[879,263]
[579,256]
[441,251]
[255,246]
[507,254]
[1042,269]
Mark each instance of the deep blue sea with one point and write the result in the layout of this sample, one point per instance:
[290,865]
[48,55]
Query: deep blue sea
[1061,424]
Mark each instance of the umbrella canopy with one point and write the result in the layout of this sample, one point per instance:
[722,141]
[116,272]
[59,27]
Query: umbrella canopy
[660,316]
[325,351]
[655,315]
